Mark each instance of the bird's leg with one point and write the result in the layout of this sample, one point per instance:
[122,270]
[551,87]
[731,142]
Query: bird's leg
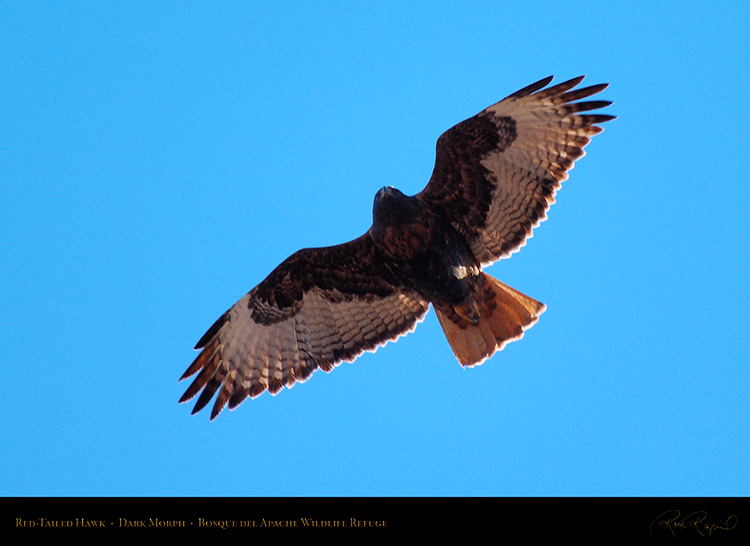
[468,310]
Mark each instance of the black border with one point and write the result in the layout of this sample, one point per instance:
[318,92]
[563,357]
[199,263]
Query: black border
[582,519]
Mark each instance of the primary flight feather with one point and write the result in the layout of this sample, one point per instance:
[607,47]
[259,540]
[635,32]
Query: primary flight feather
[494,178]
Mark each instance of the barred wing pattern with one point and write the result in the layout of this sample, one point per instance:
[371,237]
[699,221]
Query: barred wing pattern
[320,307]
[496,174]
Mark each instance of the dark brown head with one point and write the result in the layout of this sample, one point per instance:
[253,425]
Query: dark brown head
[393,208]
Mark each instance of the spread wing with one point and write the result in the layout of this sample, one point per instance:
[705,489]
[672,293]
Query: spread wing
[320,307]
[496,173]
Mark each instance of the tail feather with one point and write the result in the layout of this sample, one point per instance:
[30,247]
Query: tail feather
[505,313]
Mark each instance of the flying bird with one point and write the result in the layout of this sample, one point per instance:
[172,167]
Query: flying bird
[494,178]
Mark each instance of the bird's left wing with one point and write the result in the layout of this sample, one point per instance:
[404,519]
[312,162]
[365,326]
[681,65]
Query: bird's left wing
[319,307]
[496,173]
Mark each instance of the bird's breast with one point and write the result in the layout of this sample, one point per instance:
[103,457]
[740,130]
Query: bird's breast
[405,242]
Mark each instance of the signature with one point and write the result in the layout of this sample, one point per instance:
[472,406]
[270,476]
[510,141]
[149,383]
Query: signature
[675,522]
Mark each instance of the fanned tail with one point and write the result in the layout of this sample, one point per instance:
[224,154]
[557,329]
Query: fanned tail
[504,315]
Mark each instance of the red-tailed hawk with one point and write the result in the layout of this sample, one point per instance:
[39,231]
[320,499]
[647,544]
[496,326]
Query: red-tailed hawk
[494,178]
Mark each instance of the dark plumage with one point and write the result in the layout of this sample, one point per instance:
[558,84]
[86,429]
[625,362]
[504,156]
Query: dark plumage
[494,178]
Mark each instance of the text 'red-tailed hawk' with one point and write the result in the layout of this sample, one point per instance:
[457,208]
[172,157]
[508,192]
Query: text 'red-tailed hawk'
[494,178]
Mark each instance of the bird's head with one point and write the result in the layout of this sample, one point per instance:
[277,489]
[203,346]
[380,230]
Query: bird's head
[391,207]
[386,192]
[389,200]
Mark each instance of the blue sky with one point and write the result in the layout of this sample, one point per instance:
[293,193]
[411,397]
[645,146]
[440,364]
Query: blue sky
[158,159]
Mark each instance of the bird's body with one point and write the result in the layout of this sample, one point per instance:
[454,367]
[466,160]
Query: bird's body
[420,249]
[495,176]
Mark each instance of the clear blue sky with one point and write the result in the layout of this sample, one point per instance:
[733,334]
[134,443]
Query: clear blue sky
[158,159]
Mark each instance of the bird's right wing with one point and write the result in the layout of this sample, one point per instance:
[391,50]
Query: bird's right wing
[319,307]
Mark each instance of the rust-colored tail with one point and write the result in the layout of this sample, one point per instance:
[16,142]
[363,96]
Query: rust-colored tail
[504,314]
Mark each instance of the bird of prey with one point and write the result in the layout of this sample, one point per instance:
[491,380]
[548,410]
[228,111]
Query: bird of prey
[494,178]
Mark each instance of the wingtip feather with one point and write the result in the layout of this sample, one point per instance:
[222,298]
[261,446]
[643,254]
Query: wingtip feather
[529,89]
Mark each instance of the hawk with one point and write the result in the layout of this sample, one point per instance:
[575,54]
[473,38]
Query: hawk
[494,178]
